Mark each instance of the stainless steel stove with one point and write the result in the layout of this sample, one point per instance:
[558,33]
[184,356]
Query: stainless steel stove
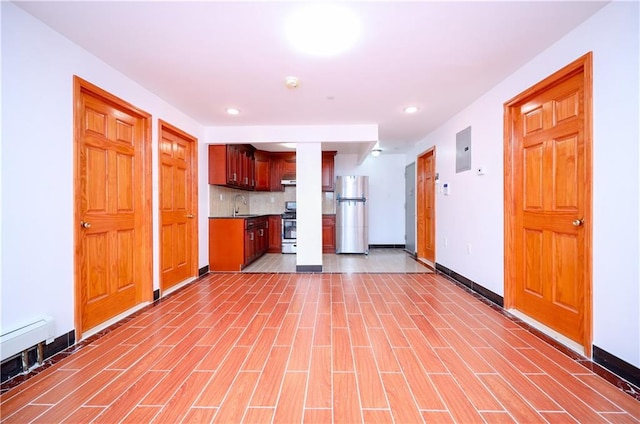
[289,229]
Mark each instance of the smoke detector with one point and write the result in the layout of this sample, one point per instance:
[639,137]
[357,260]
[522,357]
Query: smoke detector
[291,82]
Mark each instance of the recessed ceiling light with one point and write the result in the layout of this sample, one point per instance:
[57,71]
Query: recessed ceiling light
[376,152]
[411,109]
[322,29]
[233,111]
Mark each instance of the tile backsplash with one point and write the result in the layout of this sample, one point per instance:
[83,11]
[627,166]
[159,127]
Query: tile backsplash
[221,201]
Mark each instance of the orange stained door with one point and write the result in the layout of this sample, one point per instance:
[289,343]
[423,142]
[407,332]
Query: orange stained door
[112,194]
[178,223]
[551,200]
[425,199]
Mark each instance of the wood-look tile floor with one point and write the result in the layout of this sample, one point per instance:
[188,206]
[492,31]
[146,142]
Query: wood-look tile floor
[387,260]
[318,348]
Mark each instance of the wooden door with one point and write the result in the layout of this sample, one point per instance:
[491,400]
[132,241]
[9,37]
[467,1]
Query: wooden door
[426,206]
[548,202]
[178,205]
[113,245]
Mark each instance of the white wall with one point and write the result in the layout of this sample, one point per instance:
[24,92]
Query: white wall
[386,193]
[38,65]
[473,213]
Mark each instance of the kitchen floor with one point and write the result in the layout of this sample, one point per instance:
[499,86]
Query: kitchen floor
[320,348]
[386,260]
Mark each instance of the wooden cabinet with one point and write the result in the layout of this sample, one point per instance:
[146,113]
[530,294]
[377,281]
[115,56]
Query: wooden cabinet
[328,234]
[236,242]
[275,234]
[263,170]
[328,178]
[232,165]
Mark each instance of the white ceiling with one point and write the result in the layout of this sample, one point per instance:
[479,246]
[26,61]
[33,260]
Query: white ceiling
[205,56]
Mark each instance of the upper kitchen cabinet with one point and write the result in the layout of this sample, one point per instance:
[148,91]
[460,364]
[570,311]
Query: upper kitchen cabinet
[328,177]
[232,165]
[263,170]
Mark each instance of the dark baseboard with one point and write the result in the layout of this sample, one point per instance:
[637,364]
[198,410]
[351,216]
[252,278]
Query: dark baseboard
[483,291]
[308,268]
[386,246]
[156,294]
[204,270]
[12,367]
[616,365]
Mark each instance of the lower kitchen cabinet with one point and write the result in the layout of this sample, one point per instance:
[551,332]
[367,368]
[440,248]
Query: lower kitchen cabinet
[236,242]
[328,234]
[275,234]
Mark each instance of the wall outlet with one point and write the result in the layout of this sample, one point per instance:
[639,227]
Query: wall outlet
[221,196]
[273,199]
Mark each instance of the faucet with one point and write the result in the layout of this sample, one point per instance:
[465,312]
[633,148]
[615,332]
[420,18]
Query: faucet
[236,209]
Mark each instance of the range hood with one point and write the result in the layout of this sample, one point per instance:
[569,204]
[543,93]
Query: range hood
[288,182]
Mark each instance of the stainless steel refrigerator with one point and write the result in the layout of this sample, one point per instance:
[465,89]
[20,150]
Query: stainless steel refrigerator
[352,221]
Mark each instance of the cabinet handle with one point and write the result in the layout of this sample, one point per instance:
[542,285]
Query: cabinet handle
[234,177]
[251,236]
[246,180]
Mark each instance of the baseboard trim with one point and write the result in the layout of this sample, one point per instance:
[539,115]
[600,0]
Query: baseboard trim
[11,368]
[308,268]
[616,365]
[386,246]
[483,291]
[204,270]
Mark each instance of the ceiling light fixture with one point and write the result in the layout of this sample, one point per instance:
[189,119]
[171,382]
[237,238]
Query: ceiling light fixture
[291,82]
[411,109]
[322,29]
[233,111]
[376,152]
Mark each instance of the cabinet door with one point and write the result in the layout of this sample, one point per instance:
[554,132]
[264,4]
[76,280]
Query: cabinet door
[263,177]
[275,234]
[218,164]
[233,164]
[328,233]
[249,245]
[328,159]
[277,170]
[290,164]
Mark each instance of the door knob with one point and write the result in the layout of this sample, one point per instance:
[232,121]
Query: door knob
[85,224]
[190,215]
[578,222]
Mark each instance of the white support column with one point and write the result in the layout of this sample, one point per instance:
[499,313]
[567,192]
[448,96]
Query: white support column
[309,204]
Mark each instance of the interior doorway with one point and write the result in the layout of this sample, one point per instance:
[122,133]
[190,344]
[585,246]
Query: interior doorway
[410,208]
[112,195]
[426,213]
[548,202]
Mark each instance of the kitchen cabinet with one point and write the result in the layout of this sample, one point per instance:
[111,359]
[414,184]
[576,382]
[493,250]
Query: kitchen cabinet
[328,234]
[328,177]
[275,234]
[232,165]
[236,242]
[263,170]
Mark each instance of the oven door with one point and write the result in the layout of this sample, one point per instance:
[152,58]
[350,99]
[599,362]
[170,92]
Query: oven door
[289,235]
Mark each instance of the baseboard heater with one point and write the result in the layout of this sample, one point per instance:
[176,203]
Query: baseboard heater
[20,340]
